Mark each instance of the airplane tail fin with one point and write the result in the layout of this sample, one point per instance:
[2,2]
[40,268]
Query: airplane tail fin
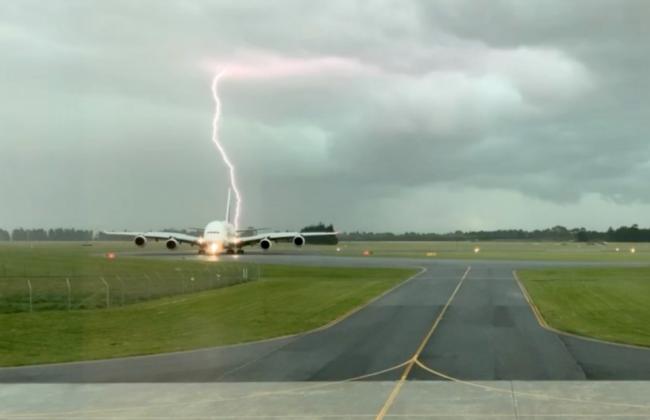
[228,206]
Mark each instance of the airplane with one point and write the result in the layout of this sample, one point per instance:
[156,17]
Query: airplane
[221,236]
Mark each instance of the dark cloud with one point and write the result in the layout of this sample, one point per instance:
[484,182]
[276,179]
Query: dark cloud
[372,115]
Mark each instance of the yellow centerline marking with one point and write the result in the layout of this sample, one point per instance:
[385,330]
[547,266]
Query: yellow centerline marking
[253,395]
[527,394]
[414,359]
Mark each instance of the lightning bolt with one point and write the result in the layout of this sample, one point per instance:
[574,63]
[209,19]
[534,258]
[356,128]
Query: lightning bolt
[222,151]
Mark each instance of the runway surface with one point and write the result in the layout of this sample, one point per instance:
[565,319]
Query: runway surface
[456,320]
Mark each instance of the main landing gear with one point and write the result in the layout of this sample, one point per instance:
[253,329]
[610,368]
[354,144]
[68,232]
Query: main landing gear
[229,251]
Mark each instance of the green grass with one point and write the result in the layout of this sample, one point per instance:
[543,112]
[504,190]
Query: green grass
[286,300]
[494,250]
[606,303]
[71,276]
[609,303]
[72,259]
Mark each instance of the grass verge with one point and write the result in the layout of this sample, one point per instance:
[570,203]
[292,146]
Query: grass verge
[606,303]
[287,300]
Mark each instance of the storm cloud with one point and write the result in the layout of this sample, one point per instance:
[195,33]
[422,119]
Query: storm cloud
[378,115]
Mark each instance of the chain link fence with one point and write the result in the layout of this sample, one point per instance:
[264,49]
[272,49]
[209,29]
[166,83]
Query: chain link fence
[60,292]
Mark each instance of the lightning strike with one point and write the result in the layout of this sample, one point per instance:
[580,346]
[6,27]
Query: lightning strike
[222,151]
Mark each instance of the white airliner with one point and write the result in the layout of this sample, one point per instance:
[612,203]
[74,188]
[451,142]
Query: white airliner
[221,236]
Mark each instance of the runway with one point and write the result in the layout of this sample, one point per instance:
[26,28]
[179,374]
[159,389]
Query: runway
[456,320]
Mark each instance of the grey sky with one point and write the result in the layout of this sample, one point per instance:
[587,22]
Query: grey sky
[379,115]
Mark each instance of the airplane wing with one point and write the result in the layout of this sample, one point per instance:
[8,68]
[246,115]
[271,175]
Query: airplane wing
[280,237]
[180,237]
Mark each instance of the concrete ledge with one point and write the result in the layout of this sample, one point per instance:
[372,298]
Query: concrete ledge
[417,399]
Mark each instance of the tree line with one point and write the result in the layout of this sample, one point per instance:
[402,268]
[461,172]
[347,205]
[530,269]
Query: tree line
[58,234]
[557,233]
[321,240]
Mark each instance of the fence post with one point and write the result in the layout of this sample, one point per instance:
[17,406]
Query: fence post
[108,293]
[31,303]
[67,282]
[244,273]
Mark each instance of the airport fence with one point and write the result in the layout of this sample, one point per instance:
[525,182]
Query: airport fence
[65,292]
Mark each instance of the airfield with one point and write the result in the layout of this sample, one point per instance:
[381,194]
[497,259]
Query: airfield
[461,338]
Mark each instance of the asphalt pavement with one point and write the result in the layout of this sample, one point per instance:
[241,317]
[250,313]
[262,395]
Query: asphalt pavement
[456,320]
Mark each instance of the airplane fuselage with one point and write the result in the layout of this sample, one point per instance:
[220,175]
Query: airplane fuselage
[219,236]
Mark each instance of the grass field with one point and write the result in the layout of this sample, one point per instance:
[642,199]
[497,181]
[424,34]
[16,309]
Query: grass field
[496,250]
[608,303]
[612,304]
[285,300]
[49,276]
[71,259]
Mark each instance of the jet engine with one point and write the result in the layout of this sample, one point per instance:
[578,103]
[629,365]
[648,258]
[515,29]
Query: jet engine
[265,244]
[298,241]
[140,240]
[171,243]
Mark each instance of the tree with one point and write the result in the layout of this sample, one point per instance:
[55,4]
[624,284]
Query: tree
[581,235]
[19,234]
[319,227]
[323,240]
[4,235]
[61,234]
